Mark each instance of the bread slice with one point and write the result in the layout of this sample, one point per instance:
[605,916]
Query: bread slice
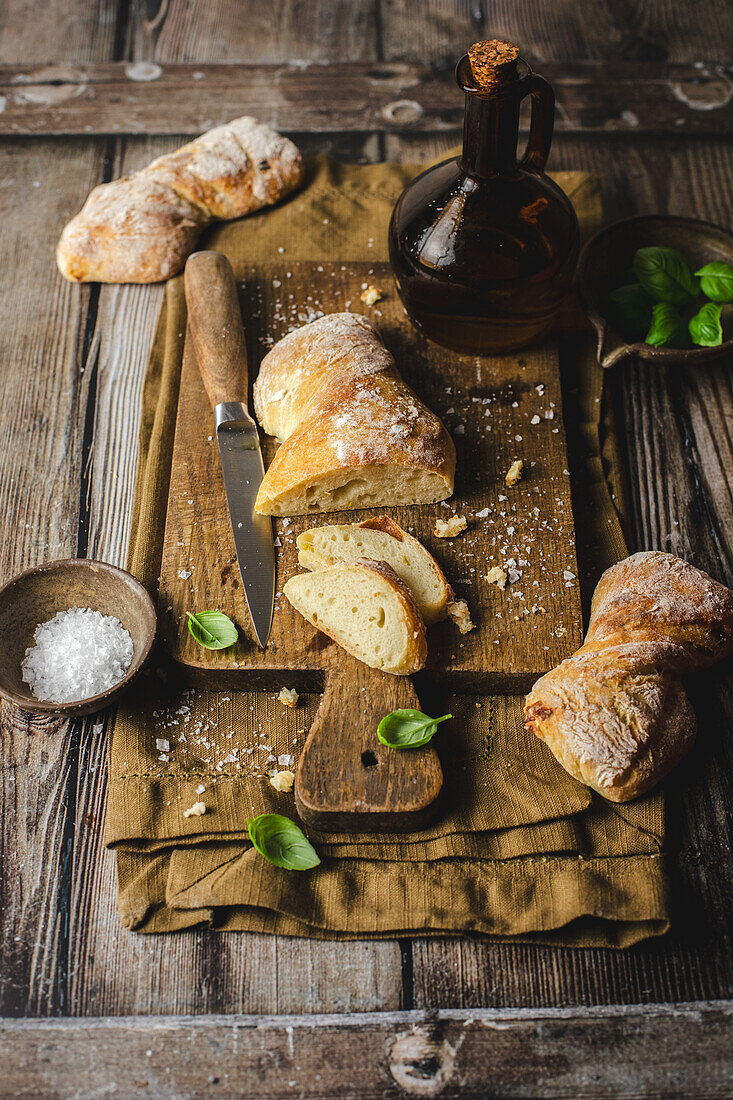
[366,608]
[381,539]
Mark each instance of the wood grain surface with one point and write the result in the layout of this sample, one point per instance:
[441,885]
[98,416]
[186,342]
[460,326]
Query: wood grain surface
[69,423]
[488,406]
[395,97]
[663,1051]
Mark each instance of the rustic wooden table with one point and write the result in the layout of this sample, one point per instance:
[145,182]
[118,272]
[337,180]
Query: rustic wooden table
[93,90]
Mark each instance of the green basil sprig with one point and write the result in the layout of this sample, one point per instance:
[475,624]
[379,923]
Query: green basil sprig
[632,309]
[282,842]
[667,328]
[705,327]
[665,275]
[212,629]
[716,281]
[408,729]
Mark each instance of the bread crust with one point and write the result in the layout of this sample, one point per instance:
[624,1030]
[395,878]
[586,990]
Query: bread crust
[615,714]
[332,394]
[432,612]
[417,649]
[140,229]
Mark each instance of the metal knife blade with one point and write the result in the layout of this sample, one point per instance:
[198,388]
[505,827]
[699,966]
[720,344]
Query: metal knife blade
[215,323]
[243,469]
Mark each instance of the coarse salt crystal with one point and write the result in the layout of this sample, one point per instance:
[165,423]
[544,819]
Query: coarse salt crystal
[77,654]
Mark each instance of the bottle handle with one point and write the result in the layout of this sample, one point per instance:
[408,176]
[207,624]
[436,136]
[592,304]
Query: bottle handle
[541,125]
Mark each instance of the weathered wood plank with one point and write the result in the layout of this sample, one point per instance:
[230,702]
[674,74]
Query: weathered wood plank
[248,31]
[176,98]
[46,394]
[653,31]
[63,30]
[653,1051]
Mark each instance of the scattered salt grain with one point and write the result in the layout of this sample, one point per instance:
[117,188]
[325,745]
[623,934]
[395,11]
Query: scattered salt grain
[77,654]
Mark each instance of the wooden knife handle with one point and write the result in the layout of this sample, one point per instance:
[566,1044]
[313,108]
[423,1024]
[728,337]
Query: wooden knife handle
[216,326]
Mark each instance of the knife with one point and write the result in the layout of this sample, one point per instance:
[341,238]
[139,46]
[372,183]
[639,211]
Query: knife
[217,332]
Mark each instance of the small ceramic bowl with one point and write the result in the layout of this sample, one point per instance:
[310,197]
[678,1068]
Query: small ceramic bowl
[609,254]
[38,594]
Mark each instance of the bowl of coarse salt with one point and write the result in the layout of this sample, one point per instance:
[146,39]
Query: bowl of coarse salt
[73,636]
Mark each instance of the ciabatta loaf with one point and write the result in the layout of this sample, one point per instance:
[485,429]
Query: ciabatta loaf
[366,608]
[615,714]
[353,434]
[381,539]
[141,229]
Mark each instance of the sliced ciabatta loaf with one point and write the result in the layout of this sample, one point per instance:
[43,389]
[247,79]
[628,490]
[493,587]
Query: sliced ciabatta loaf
[367,609]
[381,539]
[354,434]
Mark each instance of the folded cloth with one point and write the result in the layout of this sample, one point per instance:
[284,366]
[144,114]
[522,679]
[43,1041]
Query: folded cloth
[520,850]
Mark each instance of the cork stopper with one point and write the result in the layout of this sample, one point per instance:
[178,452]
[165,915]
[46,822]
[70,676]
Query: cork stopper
[492,62]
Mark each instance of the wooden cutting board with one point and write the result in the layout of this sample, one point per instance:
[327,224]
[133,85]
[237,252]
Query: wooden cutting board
[497,410]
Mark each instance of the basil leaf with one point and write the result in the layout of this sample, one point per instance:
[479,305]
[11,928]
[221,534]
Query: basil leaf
[212,629]
[408,729]
[665,275]
[667,329]
[631,310]
[282,842]
[716,281]
[705,327]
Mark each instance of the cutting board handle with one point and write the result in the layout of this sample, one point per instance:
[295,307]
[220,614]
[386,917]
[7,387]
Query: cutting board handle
[347,780]
[215,321]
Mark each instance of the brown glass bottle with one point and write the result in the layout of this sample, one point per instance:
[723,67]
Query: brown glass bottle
[484,246]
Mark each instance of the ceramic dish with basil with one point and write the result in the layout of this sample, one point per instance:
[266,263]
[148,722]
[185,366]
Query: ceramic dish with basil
[659,288]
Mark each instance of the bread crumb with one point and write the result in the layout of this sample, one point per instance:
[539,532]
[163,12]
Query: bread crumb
[197,810]
[449,528]
[371,295]
[282,781]
[496,575]
[461,616]
[288,697]
[514,473]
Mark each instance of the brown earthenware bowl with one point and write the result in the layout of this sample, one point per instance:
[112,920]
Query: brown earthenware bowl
[38,594]
[609,254]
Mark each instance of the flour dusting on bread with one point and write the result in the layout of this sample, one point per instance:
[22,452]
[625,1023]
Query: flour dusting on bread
[140,229]
[354,434]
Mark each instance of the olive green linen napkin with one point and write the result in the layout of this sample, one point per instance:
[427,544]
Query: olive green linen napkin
[521,849]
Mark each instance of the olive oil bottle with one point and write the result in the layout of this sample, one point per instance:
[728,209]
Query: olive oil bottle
[484,246]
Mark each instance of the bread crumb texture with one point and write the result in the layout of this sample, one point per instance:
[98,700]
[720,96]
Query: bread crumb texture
[371,295]
[282,781]
[288,697]
[514,473]
[197,810]
[449,528]
[498,576]
[461,616]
